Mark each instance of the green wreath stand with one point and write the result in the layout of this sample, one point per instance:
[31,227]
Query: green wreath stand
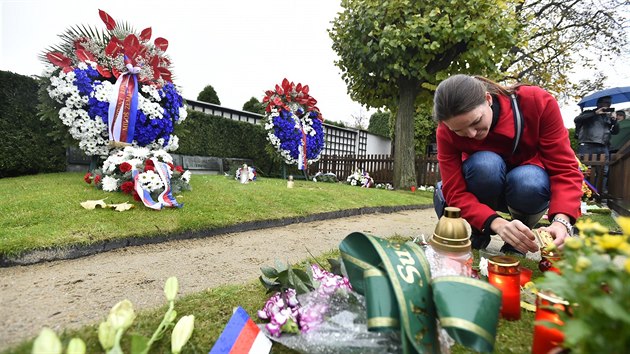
[400,296]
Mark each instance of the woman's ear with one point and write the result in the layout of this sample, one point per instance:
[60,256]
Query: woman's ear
[489,98]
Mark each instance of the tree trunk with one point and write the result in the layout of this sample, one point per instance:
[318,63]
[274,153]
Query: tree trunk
[404,153]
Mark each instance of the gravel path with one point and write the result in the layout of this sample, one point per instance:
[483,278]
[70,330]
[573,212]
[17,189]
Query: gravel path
[77,292]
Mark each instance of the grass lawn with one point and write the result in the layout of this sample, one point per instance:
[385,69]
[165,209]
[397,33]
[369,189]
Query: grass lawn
[43,211]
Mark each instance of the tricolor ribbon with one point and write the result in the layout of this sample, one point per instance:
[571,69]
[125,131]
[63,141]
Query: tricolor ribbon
[165,199]
[123,106]
[302,158]
[400,295]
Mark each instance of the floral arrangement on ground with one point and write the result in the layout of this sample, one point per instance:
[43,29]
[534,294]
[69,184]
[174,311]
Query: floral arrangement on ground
[112,86]
[117,173]
[294,124]
[593,273]
[360,178]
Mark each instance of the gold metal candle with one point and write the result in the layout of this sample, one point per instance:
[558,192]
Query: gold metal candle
[452,233]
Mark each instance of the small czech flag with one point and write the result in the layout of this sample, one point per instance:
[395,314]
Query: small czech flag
[241,335]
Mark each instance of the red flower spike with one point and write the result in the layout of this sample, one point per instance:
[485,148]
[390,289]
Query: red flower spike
[84,55]
[279,90]
[113,48]
[305,89]
[104,72]
[145,35]
[67,69]
[285,84]
[161,43]
[154,61]
[299,88]
[59,59]
[109,21]
[115,72]
[165,73]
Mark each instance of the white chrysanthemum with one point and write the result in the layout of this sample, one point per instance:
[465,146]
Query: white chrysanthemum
[110,184]
[140,152]
[183,114]
[152,92]
[186,176]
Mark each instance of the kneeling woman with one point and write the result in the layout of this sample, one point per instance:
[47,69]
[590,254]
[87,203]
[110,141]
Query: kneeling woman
[483,170]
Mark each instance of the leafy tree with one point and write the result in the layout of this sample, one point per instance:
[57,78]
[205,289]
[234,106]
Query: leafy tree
[391,53]
[558,36]
[254,106]
[208,94]
[335,123]
[379,123]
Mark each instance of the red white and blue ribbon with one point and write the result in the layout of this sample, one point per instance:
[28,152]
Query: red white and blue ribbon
[123,106]
[165,199]
[241,335]
[302,158]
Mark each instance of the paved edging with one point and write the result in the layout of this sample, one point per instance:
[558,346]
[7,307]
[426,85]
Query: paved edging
[77,251]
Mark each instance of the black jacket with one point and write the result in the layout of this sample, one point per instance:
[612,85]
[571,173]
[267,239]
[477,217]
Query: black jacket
[595,128]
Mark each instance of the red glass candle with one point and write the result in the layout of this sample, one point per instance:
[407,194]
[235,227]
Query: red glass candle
[504,273]
[545,338]
[526,275]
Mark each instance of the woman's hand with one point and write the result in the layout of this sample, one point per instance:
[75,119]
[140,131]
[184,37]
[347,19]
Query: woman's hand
[515,233]
[558,231]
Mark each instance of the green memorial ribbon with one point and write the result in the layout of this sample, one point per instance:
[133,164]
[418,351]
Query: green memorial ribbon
[396,281]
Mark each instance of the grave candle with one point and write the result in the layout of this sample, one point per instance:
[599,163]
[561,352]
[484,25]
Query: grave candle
[504,273]
[545,338]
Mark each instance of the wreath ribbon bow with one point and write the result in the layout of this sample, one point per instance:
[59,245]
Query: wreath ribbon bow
[166,198]
[400,295]
[123,105]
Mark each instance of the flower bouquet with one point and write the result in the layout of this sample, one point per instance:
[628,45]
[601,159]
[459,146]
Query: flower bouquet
[294,124]
[360,178]
[595,273]
[309,308]
[328,177]
[245,174]
[135,171]
[112,88]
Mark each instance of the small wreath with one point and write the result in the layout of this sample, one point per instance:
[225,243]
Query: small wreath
[294,124]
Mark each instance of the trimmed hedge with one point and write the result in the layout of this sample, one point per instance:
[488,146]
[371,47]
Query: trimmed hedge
[206,135]
[25,147]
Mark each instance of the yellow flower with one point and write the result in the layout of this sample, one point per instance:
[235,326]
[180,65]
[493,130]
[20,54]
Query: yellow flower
[624,223]
[627,265]
[170,288]
[573,243]
[182,332]
[121,316]
[47,343]
[582,263]
[76,346]
[609,242]
[588,227]
[625,248]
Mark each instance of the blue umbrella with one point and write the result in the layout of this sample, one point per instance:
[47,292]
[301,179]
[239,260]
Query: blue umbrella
[618,94]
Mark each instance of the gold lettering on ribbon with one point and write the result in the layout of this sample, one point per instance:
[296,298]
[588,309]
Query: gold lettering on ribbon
[407,268]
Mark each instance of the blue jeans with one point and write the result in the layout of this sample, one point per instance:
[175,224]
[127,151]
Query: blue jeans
[525,189]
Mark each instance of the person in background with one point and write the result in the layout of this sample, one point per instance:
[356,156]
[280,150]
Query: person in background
[482,175]
[623,136]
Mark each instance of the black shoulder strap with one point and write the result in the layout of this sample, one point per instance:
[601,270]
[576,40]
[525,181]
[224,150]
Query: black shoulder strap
[518,122]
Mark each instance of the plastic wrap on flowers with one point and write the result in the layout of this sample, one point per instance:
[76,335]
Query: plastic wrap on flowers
[343,328]
[113,86]
[294,124]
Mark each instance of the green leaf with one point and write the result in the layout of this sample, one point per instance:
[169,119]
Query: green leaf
[575,331]
[269,272]
[138,343]
[611,308]
[280,266]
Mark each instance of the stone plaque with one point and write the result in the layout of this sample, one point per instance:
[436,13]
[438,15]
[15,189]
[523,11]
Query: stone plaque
[202,164]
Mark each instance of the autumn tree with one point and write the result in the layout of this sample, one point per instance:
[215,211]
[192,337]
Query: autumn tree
[558,36]
[392,51]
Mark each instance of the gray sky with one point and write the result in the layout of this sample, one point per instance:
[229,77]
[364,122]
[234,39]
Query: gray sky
[240,47]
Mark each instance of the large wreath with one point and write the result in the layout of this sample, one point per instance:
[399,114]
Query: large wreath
[294,124]
[113,88]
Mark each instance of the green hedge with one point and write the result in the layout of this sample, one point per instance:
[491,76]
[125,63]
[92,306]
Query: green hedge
[25,147]
[205,135]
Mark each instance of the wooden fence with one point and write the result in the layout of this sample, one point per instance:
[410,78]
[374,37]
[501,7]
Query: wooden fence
[619,181]
[380,167]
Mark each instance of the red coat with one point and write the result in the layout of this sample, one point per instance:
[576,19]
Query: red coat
[544,142]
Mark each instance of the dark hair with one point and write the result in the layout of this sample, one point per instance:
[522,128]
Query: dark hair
[462,93]
[621,113]
[604,100]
